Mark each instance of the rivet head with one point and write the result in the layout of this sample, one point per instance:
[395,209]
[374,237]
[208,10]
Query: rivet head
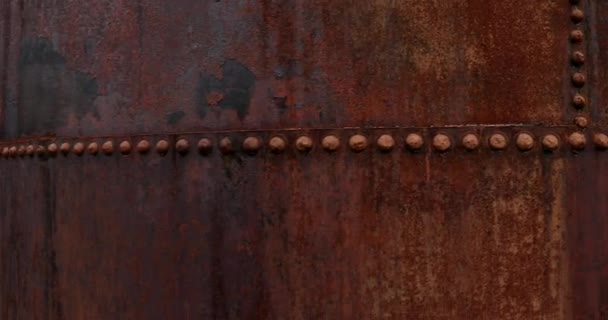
[386,143]
[577,36]
[579,79]
[577,141]
[182,146]
[581,122]
[578,58]
[125,147]
[78,148]
[550,142]
[303,144]
[601,141]
[143,146]
[251,145]
[52,148]
[577,15]
[162,147]
[29,150]
[414,141]
[470,142]
[498,141]
[226,146]
[40,151]
[442,142]
[578,101]
[330,143]
[93,148]
[357,143]
[5,152]
[21,151]
[205,146]
[12,151]
[277,144]
[107,148]
[65,148]
[525,141]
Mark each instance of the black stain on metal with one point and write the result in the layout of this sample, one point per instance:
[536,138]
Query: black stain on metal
[233,91]
[50,92]
[52,300]
[174,117]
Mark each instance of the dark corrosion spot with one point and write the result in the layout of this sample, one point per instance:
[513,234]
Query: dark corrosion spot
[280,102]
[50,91]
[174,117]
[233,90]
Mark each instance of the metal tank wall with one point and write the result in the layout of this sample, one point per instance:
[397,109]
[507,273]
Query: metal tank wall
[303,159]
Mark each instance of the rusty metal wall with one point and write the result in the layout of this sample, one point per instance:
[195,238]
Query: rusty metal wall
[303,159]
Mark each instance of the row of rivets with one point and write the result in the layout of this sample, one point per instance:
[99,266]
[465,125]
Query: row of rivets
[357,143]
[577,57]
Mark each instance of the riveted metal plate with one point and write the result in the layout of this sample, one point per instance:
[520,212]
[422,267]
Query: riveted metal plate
[302,159]
[307,64]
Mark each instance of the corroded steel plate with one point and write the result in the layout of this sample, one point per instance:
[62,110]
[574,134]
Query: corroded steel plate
[303,159]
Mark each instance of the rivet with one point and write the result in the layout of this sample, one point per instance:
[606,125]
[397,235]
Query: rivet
[226,146]
[143,146]
[251,145]
[498,141]
[385,143]
[40,150]
[442,142]
[579,79]
[330,143]
[93,148]
[414,141]
[578,58]
[577,15]
[470,142]
[21,151]
[524,141]
[182,146]
[577,36]
[65,148]
[12,151]
[125,147]
[52,148]
[162,147]
[107,148]
[577,141]
[5,152]
[578,101]
[357,143]
[581,122]
[550,142]
[303,144]
[277,144]
[205,146]
[78,148]
[29,150]
[601,141]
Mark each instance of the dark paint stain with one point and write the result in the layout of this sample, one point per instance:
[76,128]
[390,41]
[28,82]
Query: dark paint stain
[290,70]
[50,92]
[235,89]
[280,102]
[174,117]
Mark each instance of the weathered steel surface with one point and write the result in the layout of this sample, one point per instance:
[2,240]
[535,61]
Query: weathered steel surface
[290,235]
[123,66]
[389,194]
